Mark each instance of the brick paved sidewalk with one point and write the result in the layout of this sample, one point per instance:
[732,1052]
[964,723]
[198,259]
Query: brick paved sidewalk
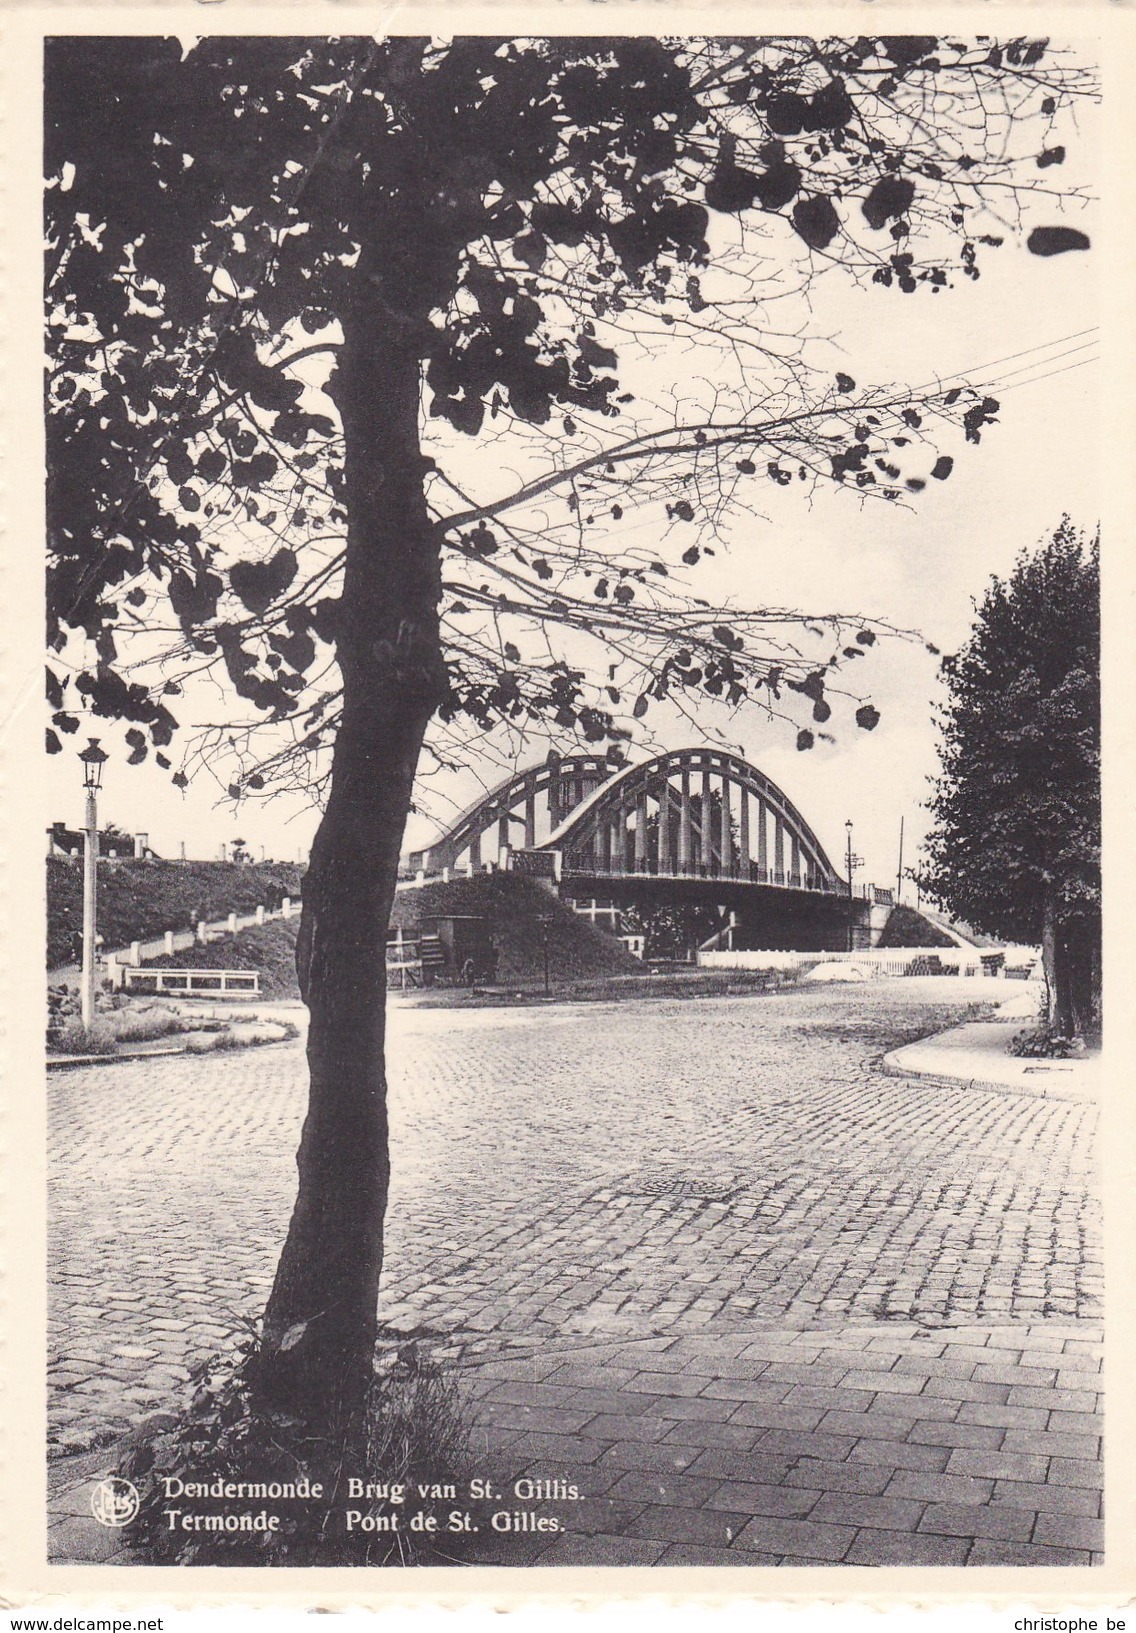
[975,1055]
[864,1445]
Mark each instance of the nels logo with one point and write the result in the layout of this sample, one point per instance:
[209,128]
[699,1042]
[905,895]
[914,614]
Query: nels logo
[114,1502]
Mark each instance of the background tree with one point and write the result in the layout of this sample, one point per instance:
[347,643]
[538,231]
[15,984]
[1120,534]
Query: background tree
[674,931]
[469,229]
[1016,848]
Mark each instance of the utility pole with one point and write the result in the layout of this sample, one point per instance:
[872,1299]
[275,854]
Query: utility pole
[93,759]
[851,862]
[899,870]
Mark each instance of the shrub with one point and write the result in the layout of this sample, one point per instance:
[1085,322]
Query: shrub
[253,1032]
[204,1042]
[145,1023]
[73,1038]
[412,1430]
[1042,1045]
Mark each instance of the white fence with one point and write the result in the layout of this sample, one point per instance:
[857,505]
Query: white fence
[198,983]
[891,961]
[178,941]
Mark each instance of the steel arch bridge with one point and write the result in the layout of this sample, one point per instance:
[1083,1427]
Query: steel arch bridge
[698,814]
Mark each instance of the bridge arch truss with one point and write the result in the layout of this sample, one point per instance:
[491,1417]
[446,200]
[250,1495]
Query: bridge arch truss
[695,812]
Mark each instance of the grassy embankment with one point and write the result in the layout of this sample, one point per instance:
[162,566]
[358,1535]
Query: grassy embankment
[585,963]
[141,900]
[578,952]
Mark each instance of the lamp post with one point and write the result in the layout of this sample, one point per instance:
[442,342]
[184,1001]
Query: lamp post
[546,921]
[93,760]
[851,862]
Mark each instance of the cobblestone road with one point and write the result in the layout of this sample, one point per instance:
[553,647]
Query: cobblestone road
[609,1171]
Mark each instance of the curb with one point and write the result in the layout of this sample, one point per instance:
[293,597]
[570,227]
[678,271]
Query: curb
[67,1063]
[892,1067]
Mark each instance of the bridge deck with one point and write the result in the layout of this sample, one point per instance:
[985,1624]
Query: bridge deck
[698,872]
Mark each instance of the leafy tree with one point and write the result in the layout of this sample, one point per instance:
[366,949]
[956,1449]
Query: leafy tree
[1016,848]
[671,931]
[290,279]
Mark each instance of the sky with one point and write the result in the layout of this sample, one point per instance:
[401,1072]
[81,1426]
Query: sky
[921,568]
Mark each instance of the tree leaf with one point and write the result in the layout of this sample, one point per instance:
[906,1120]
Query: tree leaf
[298,650]
[254,472]
[732,189]
[211,465]
[892,196]
[258,583]
[1056,240]
[816,221]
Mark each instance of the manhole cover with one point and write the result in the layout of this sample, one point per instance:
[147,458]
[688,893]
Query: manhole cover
[704,1189]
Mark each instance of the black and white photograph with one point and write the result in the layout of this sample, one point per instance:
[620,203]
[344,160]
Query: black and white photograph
[573,774]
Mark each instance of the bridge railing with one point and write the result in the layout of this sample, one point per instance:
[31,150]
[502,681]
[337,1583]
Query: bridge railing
[559,867]
[738,872]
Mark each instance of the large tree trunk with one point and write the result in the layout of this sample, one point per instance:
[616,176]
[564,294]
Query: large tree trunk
[320,1321]
[1071,959]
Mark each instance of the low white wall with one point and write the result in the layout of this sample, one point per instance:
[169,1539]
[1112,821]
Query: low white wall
[880,961]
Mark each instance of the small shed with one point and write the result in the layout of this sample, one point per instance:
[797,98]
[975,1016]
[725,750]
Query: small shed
[466,942]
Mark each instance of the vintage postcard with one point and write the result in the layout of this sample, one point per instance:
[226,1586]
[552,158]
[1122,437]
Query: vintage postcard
[554,959]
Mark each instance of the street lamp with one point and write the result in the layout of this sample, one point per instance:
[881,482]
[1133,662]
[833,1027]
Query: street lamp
[545,921]
[851,862]
[93,760]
